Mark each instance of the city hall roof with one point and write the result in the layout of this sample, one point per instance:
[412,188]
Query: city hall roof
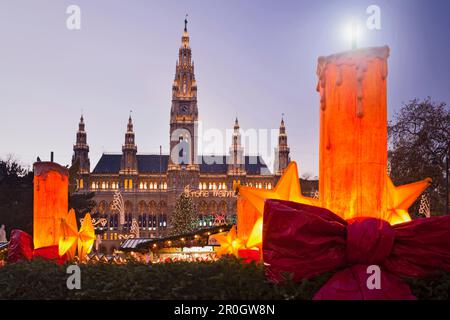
[155,163]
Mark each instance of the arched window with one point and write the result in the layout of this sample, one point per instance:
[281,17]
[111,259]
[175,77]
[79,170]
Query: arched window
[102,207]
[95,209]
[203,207]
[128,207]
[212,208]
[223,207]
[142,207]
[163,207]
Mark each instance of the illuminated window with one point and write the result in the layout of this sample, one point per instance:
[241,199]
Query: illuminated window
[93,185]
[224,186]
[151,185]
[200,186]
[141,185]
[204,185]
[125,183]
[81,184]
[130,184]
[165,186]
[145,185]
[269,186]
[103,185]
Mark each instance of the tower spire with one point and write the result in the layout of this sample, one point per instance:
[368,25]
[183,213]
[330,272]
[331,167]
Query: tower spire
[81,123]
[81,149]
[130,123]
[185,23]
[129,150]
[184,85]
[282,156]
[236,165]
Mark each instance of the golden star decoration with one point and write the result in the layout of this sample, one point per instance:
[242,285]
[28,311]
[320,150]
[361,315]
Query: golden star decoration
[229,243]
[71,239]
[401,198]
[288,188]
[69,235]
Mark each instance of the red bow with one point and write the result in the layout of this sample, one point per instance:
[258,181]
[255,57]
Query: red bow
[306,241]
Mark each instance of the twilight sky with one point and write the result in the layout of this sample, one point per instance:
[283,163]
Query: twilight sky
[253,58]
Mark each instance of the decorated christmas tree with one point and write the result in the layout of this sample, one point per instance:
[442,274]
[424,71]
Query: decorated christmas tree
[184,217]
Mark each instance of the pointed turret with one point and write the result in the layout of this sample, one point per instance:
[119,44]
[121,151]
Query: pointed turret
[81,149]
[236,162]
[129,150]
[282,158]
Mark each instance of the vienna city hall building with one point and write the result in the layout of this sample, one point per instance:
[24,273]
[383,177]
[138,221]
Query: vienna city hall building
[151,183]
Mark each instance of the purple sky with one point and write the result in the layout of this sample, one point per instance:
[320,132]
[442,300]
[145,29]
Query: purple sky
[254,59]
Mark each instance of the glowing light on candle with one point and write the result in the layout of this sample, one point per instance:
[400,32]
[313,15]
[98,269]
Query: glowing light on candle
[352,33]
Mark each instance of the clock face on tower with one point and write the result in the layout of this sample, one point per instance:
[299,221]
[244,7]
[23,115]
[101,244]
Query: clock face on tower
[184,109]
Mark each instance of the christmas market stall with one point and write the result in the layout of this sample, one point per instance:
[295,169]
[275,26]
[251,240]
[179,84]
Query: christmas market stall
[199,245]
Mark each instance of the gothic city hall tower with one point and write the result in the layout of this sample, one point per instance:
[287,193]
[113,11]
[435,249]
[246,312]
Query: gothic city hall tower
[150,184]
[183,167]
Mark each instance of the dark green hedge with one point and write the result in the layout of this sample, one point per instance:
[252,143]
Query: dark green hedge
[224,279]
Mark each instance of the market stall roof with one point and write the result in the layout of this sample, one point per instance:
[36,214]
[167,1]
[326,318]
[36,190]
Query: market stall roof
[3,245]
[186,239]
[133,242]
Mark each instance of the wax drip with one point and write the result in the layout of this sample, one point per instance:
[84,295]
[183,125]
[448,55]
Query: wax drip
[361,69]
[339,75]
[384,70]
[359,59]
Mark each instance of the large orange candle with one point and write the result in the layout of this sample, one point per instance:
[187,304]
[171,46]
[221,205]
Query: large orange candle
[353,132]
[51,200]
